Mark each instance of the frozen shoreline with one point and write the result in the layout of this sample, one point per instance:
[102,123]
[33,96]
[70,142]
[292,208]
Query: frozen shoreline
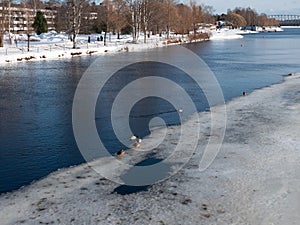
[63,50]
[254,179]
[53,46]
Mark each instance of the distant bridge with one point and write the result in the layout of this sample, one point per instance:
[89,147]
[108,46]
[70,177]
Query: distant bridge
[287,20]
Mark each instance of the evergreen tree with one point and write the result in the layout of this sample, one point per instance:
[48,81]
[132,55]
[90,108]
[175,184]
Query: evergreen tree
[40,23]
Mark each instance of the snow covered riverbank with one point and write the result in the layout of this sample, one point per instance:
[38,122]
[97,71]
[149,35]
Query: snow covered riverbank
[56,46]
[53,46]
[254,179]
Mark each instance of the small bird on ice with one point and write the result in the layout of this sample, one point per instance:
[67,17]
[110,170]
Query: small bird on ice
[180,110]
[120,153]
[137,140]
[133,137]
[137,144]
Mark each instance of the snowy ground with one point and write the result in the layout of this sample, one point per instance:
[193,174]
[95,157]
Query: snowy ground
[225,34]
[255,178]
[288,27]
[56,46]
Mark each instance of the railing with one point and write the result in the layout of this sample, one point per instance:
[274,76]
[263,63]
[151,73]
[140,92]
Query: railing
[287,20]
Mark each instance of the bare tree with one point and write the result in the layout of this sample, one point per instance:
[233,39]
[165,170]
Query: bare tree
[89,18]
[208,12]
[185,20]
[119,15]
[77,16]
[75,13]
[170,15]
[34,4]
[158,20]
[135,11]
[197,16]
[149,10]
[263,20]
[249,14]
[236,20]
[62,20]
[106,11]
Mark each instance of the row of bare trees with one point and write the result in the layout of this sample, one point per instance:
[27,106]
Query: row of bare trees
[131,16]
[240,17]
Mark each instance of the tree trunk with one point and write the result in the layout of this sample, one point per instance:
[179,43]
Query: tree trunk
[105,34]
[145,36]
[74,35]
[74,40]
[134,28]
[1,40]
[135,20]
[28,42]
[168,32]
[76,20]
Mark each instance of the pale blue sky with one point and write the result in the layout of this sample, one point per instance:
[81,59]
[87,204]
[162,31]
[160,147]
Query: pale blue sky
[266,6]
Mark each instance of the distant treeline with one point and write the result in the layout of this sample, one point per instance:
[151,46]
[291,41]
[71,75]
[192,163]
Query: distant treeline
[240,17]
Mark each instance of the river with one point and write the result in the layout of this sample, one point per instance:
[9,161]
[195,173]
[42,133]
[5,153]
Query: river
[36,136]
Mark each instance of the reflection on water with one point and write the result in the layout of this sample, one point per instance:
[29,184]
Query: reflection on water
[36,134]
[146,109]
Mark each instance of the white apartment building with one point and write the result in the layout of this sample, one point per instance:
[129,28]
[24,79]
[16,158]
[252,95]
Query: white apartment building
[20,20]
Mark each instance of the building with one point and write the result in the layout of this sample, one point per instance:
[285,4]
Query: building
[18,19]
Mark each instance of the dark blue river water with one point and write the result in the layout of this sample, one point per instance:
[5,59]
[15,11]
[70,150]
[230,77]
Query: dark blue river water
[36,136]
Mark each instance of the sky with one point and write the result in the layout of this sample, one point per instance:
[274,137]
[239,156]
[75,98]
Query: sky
[262,6]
